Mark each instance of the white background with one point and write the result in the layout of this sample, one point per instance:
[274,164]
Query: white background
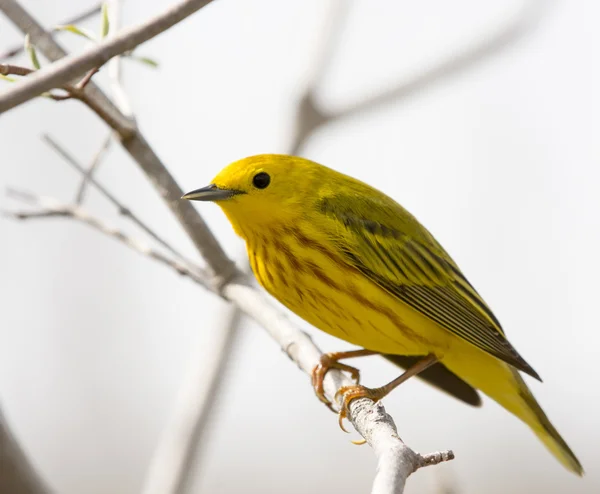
[499,161]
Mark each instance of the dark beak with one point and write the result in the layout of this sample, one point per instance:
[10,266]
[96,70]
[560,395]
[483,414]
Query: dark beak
[210,193]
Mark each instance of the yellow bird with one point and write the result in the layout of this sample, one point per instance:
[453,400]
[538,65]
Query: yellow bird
[354,263]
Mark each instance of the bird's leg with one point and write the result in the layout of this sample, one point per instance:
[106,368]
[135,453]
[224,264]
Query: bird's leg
[331,361]
[350,393]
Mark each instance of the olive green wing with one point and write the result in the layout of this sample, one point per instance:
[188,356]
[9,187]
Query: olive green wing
[388,245]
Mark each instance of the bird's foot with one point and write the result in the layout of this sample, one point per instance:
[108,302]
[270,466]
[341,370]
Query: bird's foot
[349,393]
[328,361]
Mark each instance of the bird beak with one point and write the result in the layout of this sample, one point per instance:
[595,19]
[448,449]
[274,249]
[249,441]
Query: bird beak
[210,193]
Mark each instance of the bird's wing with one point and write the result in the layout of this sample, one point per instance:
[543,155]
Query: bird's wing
[389,246]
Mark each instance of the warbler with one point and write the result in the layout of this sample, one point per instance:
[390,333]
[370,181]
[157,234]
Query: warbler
[354,263]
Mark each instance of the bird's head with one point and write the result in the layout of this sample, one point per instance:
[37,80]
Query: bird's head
[263,190]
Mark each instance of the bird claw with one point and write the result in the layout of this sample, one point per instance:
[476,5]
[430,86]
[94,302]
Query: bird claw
[318,375]
[349,393]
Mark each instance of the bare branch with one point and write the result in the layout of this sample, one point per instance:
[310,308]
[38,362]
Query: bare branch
[17,475]
[48,207]
[72,91]
[94,163]
[86,79]
[18,49]
[8,69]
[62,71]
[396,461]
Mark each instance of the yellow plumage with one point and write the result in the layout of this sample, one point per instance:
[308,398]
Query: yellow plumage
[355,264]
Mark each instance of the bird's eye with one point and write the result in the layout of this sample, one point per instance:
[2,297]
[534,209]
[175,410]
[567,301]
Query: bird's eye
[261,180]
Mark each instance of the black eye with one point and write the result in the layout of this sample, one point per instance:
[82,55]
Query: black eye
[261,180]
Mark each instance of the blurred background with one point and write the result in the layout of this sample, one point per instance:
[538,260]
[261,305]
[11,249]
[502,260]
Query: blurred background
[497,157]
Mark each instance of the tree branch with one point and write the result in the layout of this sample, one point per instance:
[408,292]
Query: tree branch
[119,205]
[91,169]
[63,71]
[396,461]
[48,207]
[73,91]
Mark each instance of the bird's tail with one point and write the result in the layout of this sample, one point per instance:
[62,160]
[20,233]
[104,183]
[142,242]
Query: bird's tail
[503,384]
[533,415]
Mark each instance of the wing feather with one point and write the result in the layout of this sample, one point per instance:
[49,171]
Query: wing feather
[402,257]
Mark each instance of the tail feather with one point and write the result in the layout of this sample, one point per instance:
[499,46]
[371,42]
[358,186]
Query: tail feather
[503,383]
[544,430]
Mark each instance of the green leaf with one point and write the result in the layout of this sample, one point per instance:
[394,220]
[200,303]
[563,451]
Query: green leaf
[105,27]
[30,49]
[7,78]
[79,31]
[145,60]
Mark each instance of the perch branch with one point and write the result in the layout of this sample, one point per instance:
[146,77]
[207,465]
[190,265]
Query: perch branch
[396,461]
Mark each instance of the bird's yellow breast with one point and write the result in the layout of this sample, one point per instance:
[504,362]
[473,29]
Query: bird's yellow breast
[313,281]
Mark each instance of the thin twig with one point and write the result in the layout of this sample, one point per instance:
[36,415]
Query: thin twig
[72,91]
[8,69]
[86,78]
[94,163]
[122,209]
[49,207]
[18,49]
